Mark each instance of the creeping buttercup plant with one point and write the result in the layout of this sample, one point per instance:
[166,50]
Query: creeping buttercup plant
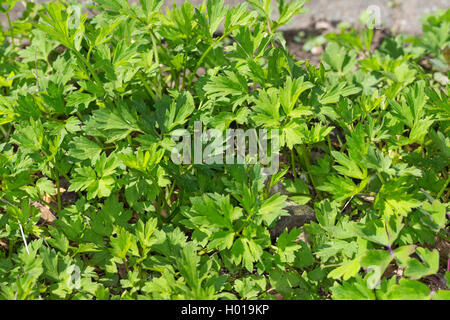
[93,207]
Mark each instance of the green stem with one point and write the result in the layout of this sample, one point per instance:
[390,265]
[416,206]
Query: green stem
[184,78]
[156,55]
[163,196]
[303,153]
[176,80]
[380,177]
[5,134]
[89,53]
[172,187]
[293,163]
[49,205]
[11,247]
[89,66]
[330,148]
[172,72]
[58,191]
[269,27]
[155,47]
[66,176]
[11,30]
[147,88]
[444,187]
[199,63]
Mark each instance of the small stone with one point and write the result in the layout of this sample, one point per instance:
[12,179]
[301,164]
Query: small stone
[323,25]
[278,188]
[299,216]
[317,50]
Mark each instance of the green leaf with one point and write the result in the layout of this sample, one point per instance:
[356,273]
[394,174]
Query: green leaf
[249,287]
[347,270]
[221,240]
[56,25]
[45,186]
[437,214]
[409,290]
[216,14]
[144,232]
[113,123]
[238,16]
[441,295]
[122,243]
[58,240]
[342,187]
[172,114]
[231,84]
[349,167]
[290,93]
[266,108]
[244,250]
[338,58]
[81,148]
[85,177]
[377,230]
[291,135]
[214,211]
[287,240]
[272,208]
[402,254]
[376,262]
[284,281]
[352,290]
[429,265]
[395,197]
[98,182]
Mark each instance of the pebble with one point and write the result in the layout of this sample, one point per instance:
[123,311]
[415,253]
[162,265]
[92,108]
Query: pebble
[323,25]
[299,215]
[317,50]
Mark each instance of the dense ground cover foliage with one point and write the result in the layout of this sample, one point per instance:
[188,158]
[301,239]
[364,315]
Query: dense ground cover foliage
[93,207]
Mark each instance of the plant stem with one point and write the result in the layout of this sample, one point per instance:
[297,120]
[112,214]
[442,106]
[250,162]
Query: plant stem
[444,187]
[58,191]
[11,244]
[156,54]
[5,134]
[303,153]
[172,187]
[200,61]
[380,177]
[89,66]
[293,163]
[49,205]
[269,25]
[11,30]
[147,88]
